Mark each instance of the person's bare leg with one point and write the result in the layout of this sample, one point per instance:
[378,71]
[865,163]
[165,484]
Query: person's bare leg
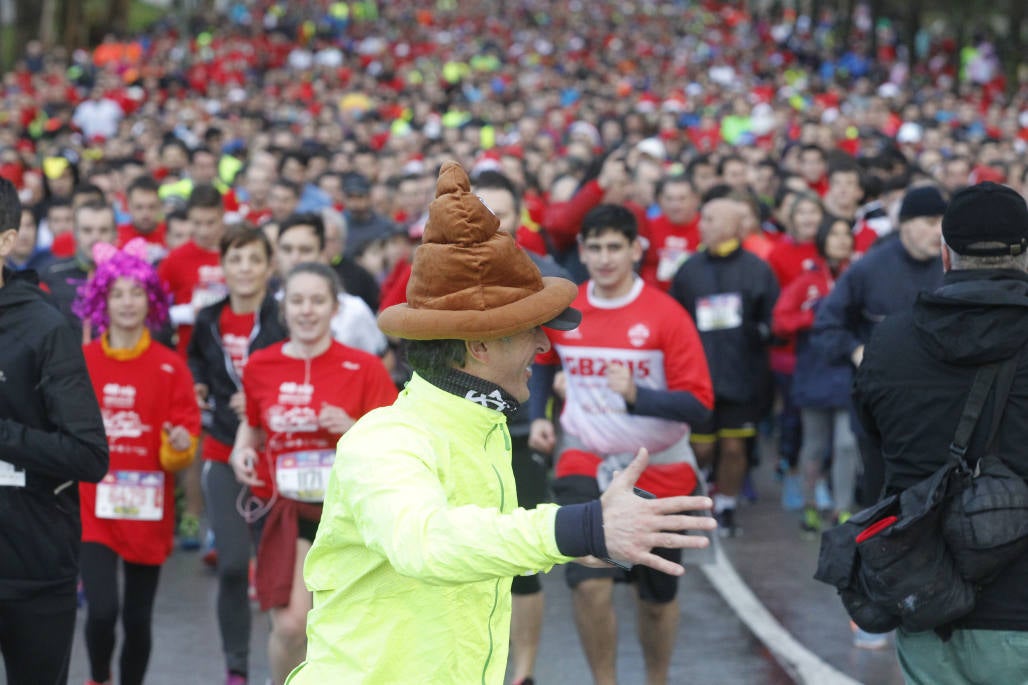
[597,627]
[658,626]
[731,469]
[526,625]
[287,643]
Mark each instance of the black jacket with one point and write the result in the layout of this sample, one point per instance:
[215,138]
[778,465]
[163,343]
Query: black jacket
[910,390]
[212,366]
[736,349]
[885,281]
[51,429]
[63,279]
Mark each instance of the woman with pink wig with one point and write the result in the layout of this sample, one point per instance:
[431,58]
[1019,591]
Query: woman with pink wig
[152,421]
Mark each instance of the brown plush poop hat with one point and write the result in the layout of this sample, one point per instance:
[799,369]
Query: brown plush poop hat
[471,282]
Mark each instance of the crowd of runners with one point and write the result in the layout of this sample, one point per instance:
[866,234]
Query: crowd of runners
[219,208]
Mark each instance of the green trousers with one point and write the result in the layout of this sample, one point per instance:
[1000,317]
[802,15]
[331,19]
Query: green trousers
[970,657]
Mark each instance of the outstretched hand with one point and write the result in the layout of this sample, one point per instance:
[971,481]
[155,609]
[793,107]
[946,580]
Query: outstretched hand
[633,526]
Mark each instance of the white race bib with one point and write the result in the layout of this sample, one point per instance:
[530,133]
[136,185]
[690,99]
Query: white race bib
[303,476]
[670,260]
[719,312]
[10,476]
[131,495]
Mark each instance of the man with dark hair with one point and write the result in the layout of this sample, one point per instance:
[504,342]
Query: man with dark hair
[365,226]
[192,272]
[51,435]
[813,165]
[301,238]
[917,371]
[673,234]
[94,223]
[421,534]
[144,207]
[283,199]
[636,376]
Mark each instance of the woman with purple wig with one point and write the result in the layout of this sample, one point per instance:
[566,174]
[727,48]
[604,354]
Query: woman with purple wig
[152,422]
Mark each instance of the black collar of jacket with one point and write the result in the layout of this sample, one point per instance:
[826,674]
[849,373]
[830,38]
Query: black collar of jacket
[475,389]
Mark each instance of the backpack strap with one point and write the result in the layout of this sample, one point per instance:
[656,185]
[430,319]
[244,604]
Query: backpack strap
[984,378]
[1003,384]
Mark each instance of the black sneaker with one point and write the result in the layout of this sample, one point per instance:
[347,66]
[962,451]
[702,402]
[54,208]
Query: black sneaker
[726,524]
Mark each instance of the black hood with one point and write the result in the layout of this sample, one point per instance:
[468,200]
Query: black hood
[976,317]
[19,288]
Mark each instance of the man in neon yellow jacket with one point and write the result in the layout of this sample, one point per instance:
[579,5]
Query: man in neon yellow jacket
[421,534]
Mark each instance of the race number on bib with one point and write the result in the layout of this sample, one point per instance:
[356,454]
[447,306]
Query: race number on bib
[303,476]
[719,312]
[10,476]
[131,495]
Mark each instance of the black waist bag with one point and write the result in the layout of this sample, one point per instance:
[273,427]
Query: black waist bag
[914,559]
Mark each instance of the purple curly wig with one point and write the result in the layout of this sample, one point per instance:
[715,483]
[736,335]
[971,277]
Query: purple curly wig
[91,302]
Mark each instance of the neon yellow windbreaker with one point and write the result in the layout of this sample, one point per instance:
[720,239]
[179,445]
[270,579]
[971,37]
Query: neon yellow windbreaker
[417,545]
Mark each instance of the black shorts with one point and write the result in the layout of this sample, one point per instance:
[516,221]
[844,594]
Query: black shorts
[652,586]
[532,484]
[729,420]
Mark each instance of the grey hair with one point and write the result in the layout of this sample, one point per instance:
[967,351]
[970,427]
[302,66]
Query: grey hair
[971,262]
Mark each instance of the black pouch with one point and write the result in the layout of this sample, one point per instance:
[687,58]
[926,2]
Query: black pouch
[986,525]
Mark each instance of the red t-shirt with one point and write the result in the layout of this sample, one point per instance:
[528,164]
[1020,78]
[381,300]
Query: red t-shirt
[193,276]
[132,510]
[235,340]
[789,259]
[670,245]
[284,396]
[156,238]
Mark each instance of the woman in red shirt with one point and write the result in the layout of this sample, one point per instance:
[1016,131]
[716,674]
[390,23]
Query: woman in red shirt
[151,419]
[301,396]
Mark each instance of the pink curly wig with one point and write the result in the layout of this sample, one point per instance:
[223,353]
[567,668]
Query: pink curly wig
[112,264]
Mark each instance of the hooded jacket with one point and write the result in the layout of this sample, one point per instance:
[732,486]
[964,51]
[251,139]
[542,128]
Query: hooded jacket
[910,391]
[51,435]
[412,567]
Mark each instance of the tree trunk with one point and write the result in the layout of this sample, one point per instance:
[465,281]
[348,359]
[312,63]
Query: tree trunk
[26,24]
[874,9]
[47,24]
[845,25]
[73,35]
[1014,54]
[913,26]
[117,17]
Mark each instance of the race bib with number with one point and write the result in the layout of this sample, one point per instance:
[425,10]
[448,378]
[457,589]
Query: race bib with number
[10,476]
[303,476]
[671,259]
[131,495]
[719,312]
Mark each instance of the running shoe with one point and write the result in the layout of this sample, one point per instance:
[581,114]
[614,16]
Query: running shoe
[792,492]
[726,524]
[823,496]
[210,551]
[811,522]
[189,533]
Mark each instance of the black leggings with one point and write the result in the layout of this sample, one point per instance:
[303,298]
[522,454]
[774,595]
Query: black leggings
[36,636]
[99,568]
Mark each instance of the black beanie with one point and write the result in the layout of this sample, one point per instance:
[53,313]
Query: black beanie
[922,201]
[986,213]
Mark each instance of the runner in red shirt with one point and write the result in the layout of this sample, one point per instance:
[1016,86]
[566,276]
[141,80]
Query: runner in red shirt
[152,422]
[144,206]
[302,394]
[675,234]
[192,272]
[226,333]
